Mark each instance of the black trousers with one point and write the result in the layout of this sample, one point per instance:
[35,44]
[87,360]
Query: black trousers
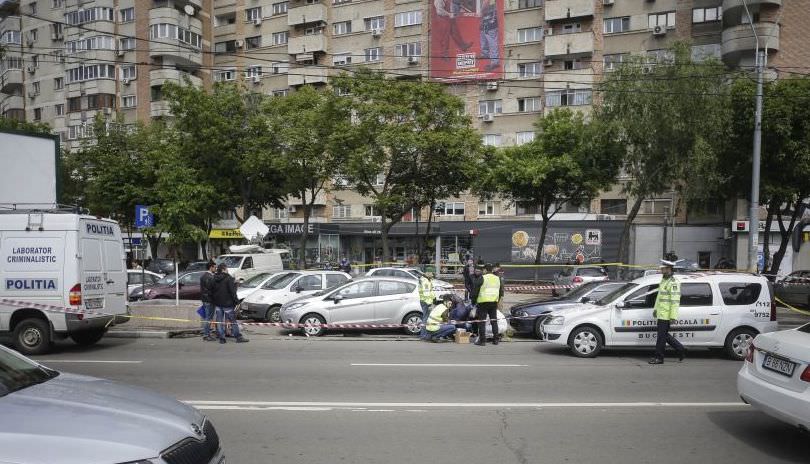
[484,310]
[665,337]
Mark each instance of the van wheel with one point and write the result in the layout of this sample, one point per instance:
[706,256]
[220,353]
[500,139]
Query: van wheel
[412,322]
[313,325]
[737,343]
[32,336]
[585,342]
[273,314]
[88,337]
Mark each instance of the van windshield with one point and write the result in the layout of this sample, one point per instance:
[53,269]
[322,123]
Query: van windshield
[17,372]
[231,261]
[610,297]
[281,281]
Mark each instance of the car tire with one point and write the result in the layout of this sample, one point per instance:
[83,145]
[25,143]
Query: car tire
[585,342]
[412,322]
[313,330]
[273,314]
[538,327]
[88,337]
[737,341]
[32,336]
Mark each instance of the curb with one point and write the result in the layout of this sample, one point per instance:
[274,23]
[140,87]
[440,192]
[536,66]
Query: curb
[150,333]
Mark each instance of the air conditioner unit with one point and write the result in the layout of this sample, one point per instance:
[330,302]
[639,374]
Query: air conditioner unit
[291,209]
[659,30]
[108,111]
[256,79]
[607,2]
[29,41]
[125,81]
[548,62]
[56,36]
[32,69]
[257,21]
[376,32]
[647,69]
[492,85]
[413,60]
[239,43]
[548,31]
[31,95]
[488,117]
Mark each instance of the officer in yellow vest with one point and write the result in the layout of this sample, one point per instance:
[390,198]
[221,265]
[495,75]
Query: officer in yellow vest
[426,298]
[667,304]
[437,325]
[487,292]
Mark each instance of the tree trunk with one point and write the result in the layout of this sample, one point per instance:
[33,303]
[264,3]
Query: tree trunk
[154,243]
[421,243]
[624,242]
[384,228]
[766,240]
[427,230]
[538,259]
[798,210]
[302,254]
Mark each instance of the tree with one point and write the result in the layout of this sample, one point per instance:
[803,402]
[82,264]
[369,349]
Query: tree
[405,134]
[664,112]
[304,125]
[569,161]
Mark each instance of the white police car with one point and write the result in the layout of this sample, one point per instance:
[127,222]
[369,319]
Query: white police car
[717,310]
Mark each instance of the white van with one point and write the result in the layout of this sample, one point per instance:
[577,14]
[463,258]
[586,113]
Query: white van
[65,260]
[718,310]
[244,265]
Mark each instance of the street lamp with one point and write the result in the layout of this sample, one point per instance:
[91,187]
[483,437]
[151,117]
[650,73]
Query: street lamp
[753,226]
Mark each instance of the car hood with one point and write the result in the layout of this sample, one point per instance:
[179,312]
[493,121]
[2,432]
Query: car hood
[578,309]
[546,307]
[242,293]
[264,296]
[75,419]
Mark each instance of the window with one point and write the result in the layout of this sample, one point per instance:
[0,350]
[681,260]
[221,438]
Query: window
[523,4]
[252,14]
[89,15]
[408,49]
[129,72]
[10,37]
[228,46]
[99,42]
[408,18]
[642,298]
[253,42]
[86,73]
[571,28]
[388,287]
[660,55]
[696,295]
[127,43]
[281,92]
[373,54]
[33,35]
[128,101]
[747,20]
[343,27]
[740,293]
[340,2]
[572,97]
[333,280]
[313,30]
[455,208]
[225,19]
[127,15]
[279,213]
[613,61]
[56,31]
[170,31]
[32,7]
[280,8]
[342,211]
[524,137]
[342,58]
[57,3]
[375,23]
[100,100]
[379,180]
[526,70]
[530,34]
[280,38]
[280,68]
[37,114]
[490,107]
[614,25]
[358,290]
[74,104]
[60,109]
[529,104]
[701,53]
[613,206]
[705,15]
[59,83]
[253,71]
[656,206]
[308,283]
[227,75]
[35,88]
[492,140]
[370,211]
[79,132]
[661,19]
[486,208]
[570,65]
[35,61]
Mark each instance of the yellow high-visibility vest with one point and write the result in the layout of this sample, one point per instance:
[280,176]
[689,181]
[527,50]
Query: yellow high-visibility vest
[490,290]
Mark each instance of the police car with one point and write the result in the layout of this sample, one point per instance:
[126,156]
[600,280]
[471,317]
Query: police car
[718,310]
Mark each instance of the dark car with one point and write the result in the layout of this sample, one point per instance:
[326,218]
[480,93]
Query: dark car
[794,289]
[196,266]
[528,317]
[161,266]
[189,287]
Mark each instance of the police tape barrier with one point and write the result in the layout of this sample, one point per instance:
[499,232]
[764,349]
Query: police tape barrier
[792,308]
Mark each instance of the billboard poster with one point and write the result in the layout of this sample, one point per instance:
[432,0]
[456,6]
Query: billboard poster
[562,246]
[466,39]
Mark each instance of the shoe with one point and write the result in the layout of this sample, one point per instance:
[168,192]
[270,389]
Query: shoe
[208,338]
[681,355]
[480,343]
[222,341]
[242,340]
[655,361]
[495,341]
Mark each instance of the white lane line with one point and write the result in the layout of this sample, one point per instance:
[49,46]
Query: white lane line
[262,405]
[434,365]
[89,361]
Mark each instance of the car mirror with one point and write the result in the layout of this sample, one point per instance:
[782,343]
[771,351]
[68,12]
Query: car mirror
[620,305]
[337,298]
[585,299]
[180,284]
[298,289]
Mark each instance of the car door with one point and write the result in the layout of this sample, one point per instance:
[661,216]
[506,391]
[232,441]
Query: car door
[356,304]
[393,297]
[189,286]
[306,285]
[633,322]
[699,316]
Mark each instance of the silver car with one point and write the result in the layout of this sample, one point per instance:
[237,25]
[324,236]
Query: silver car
[580,275]
[440,287]
[368,300]
[51,417]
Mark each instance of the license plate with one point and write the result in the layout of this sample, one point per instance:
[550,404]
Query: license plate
[782,366]
[94,303]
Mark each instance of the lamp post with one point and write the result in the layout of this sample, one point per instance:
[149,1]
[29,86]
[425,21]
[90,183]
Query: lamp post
[753,226]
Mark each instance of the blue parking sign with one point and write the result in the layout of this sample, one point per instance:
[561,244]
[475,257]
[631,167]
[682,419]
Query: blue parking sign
[143,218]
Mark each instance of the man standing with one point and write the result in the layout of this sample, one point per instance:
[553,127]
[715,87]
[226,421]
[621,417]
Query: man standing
[467,273]
[224,297]
[426,297]
[487,293]
[206,296]
[666,311]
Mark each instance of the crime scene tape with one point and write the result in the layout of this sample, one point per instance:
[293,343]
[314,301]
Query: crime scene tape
[792,308]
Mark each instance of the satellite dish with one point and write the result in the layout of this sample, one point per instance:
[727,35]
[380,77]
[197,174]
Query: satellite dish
[189,10]
[254,229]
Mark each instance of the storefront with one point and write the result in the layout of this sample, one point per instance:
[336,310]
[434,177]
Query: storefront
[221,239]
[323,243]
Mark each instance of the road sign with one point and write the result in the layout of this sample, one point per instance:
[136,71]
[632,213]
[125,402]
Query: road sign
[143,218]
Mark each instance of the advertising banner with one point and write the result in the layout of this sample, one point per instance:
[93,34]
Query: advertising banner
[563,246]
[466,39]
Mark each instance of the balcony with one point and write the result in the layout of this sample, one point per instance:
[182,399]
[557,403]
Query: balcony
[568,9]
[580,43]
[306,14]
[162,76]
[738,40]
[93,86]
[159,109]
[729,5]
[306,44]
[11,80]
[173,16]
[307,75]
[571,78]
[11,103]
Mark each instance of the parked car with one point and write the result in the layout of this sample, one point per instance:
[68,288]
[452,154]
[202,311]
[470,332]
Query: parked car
[528,317]
[775,377]
[189,285]
[51,416]
[580,275]
[163,266]
[440,287]
[265,302]
[248,260]
[137,279]
[196,266]
[249,286]
[368,300]
[794,289]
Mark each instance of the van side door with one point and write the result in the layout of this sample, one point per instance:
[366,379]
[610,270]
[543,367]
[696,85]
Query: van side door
[699,315]
[634,324]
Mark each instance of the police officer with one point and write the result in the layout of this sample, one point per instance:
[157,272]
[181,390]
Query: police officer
[426,297]
[487,293]
[667,304]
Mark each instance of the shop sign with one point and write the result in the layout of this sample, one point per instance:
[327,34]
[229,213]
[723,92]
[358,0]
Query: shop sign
[232,234]
[290,229]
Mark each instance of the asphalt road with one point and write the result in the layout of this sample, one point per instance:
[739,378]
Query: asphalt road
[332,400]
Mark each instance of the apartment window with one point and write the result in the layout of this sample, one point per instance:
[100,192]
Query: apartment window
[227,75]
[59,83]
[453,208]
[228,46]
[127,43]
[57,3]
[523,4]
[747,20]
[706,15]
[35,61]
[313,30]
[60,109]
[79,132]
[373,54]
[99,42]
[572,28]
[486,208]
[37,114]
[613,61]
[86,73]
[127,15]
[33,8]
[568,97]
[281,92]
[100,100]
[253,71]
[280,38]
[74,104]
[35,88]
[279,213]
[661,55]
[701,53]
[33,35]
[570,65]
[252,14]
[524,137]
[14,62]
[379,180]
[613,206]
[280,68]
[370,211]
[56,31]
[280,8]
[492,140]
[340,2]
[529,104]
[170,31]
[408,18]
[408,49]
[526,70]
[342,58]
[375,23]
[530,34]
[490,107]
[253,42]
[225,19]
[129,72]
[89,15]
[615,25]
[343,27]
[661,19]
[10,37]
[661,206]
[342,211]
[128,101]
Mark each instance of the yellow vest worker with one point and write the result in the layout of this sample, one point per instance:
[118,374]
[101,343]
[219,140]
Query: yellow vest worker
[666,312]
[490,290]
[488,294]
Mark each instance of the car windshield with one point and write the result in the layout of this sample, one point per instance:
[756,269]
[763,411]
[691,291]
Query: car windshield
[254,281]
[167,280]
[17,372]
[610,297]
[416,273]
[580,291]
[277,283]
[231,261]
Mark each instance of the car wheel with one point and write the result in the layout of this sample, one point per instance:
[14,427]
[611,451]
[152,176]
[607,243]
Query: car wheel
[273,314]
[313,325]
[412,322]
[585,342]
[538,327]
[32,336]
[737,343]
[88,337]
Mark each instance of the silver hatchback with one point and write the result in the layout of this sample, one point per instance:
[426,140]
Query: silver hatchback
[367,301]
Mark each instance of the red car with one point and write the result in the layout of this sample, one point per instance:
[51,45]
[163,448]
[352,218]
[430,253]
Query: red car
[164,288]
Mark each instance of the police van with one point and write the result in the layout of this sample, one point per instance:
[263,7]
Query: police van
[59,259]
[717,310]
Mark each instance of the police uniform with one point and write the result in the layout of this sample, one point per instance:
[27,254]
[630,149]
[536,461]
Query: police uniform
[667,304]
[487,299]
[426,298]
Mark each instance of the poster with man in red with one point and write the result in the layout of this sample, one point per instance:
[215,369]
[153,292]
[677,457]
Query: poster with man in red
[466,39]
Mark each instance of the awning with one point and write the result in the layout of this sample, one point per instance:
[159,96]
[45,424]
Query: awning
[230,234]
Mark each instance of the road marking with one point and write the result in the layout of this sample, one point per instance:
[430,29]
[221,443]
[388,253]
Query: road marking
[315,406]
[89,361]
[434,365]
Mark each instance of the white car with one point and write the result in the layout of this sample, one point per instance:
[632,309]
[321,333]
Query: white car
[718,310]
[775,377]
[266,301]
[252,284]
[440,287]
[580,275]
[137,278]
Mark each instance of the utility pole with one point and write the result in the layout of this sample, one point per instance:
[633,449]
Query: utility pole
[753,227]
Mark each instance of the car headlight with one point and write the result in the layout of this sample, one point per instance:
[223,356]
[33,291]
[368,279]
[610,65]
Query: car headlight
[555,320]
[292,306]
[521,313]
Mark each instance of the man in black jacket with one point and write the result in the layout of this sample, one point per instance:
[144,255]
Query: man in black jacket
[225,300]
[206,295]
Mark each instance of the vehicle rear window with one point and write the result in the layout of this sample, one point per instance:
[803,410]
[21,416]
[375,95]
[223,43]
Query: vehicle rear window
[591,272]
[696,295]
[740,293]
